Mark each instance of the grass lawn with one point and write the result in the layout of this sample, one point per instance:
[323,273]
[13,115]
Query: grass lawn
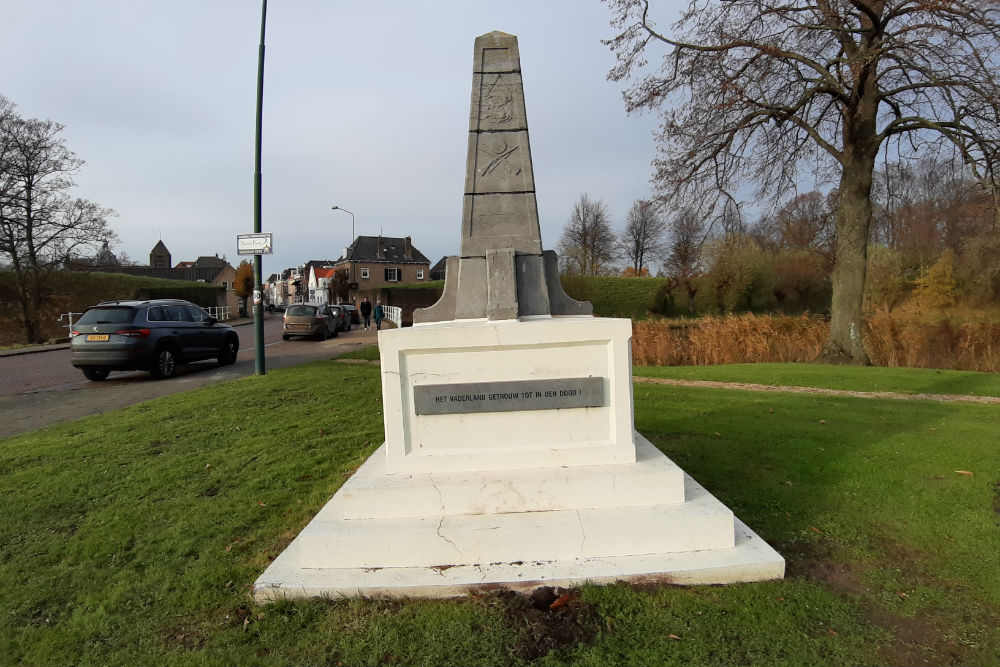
[869,378]
[133,537]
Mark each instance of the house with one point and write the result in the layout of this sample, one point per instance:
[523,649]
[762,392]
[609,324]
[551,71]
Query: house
[373,262]
[437,271]
[104,261]
[319,283]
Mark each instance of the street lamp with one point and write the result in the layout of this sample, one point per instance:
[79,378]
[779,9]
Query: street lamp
[353,278]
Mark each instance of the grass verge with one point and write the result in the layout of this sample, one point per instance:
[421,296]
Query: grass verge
[134,537]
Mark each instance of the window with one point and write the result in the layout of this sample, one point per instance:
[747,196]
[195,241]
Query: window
[108,315]
[225,285]
[196,313]
[364,273]
[392,275]
[176,314]
[420,274]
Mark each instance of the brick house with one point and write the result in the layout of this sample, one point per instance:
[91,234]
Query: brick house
[373,262]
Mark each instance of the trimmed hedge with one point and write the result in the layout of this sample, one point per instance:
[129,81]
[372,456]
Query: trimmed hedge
[74,291]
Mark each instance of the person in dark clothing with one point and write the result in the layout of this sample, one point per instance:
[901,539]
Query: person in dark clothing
[366,312]
[379,314]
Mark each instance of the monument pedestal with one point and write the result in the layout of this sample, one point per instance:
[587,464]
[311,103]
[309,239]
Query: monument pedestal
[505,487]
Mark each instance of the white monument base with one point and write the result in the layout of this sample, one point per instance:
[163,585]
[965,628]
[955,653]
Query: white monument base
[628,526]
[511,459]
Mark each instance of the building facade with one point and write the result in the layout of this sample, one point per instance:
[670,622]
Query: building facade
[373,262]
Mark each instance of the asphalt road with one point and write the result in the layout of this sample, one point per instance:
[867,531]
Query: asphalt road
[43,388]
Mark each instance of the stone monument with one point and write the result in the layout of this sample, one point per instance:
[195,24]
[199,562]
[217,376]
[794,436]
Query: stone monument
[510,456]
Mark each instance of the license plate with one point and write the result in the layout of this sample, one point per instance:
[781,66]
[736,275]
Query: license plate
[95,338]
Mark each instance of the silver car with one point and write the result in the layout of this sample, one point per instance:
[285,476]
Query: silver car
[316,320]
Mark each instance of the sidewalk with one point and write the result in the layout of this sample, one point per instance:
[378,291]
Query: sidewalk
[63,343]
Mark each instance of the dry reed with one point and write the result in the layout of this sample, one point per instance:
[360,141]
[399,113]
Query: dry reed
[890,339]
[913,342]
[731,339]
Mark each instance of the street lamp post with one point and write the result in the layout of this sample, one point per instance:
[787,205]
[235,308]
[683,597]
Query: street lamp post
[353,277]
[258,306]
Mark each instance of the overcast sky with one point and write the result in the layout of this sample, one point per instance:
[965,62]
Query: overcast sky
[365,106]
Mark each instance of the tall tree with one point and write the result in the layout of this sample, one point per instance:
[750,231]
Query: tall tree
[587,245]
[804,222]
[642,238]
[770,91]
[41,225]
[683,256]
[243,282]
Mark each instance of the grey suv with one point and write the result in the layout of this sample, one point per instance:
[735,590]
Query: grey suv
[153,335]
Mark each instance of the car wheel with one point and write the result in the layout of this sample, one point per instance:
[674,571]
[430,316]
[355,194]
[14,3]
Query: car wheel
[285,336]
[334,332]
[228,352]
[164,363]
[95,374]
[322,334]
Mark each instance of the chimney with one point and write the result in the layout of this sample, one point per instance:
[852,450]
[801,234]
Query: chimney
[407,248]
[379,250]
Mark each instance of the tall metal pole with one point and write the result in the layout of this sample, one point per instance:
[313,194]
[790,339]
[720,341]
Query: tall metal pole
[258,306]
[353,278]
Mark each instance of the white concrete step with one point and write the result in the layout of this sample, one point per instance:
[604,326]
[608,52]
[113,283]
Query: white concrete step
[652,480]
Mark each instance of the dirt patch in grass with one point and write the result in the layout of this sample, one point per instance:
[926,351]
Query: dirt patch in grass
[548,619]
[916,641]
[813,561]
[927,638]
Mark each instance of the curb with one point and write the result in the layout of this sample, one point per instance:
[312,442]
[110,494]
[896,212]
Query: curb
[36,349]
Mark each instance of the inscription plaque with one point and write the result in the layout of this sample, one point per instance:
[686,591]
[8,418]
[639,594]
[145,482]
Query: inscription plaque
[511,396]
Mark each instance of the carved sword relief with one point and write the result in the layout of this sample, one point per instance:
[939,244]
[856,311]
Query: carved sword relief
[500,163]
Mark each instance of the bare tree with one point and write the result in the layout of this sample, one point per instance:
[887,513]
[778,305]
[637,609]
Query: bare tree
[770,91]
[41,225]
[804,222]
[587,246]
[924,207]
[683,250]
[642,238]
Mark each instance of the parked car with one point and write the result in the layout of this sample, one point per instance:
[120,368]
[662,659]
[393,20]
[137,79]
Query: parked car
[316,320]
[343,319]
[353,312]
[154,335]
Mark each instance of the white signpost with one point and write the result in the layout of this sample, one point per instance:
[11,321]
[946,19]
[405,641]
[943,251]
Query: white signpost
[253,244]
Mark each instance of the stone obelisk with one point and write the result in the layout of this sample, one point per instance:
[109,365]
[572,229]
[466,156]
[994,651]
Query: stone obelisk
[502,272]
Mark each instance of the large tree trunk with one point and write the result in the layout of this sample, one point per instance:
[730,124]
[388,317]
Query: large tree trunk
[854,214]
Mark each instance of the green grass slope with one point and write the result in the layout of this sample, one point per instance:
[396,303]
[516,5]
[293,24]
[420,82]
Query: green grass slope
[614,296]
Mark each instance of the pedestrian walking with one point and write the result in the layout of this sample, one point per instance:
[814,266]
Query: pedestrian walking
[366,312]
[379,315]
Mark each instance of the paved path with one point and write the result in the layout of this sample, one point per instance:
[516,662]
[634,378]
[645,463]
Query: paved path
[41,389]
[748,386]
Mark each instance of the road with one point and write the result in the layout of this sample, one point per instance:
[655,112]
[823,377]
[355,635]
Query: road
[41,389]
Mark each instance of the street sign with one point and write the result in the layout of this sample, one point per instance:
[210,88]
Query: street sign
[253,244]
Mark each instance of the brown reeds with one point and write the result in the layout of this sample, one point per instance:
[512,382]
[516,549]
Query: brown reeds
[891,340]
[731,339]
